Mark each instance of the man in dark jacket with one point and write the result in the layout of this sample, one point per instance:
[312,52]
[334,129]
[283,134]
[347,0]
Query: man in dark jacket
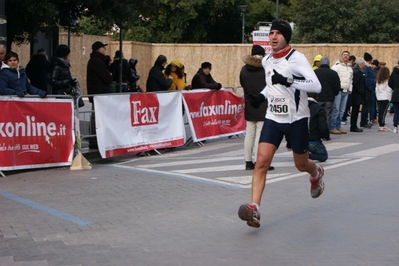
[38,70]
[156,80]
[98,76]
[370,76]
[114,68]
[330,86]
[358,92]
[252,80]
[203,78]
[98,80]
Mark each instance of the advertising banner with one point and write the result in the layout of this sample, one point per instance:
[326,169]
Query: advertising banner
[261,37]
[214,113]
[35,132]
[134,123]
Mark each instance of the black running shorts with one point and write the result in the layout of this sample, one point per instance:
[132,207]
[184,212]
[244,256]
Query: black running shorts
[296,133]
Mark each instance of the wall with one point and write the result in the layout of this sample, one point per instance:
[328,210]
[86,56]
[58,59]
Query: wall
[226,59]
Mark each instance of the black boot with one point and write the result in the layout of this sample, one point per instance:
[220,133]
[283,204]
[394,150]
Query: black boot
[249,165]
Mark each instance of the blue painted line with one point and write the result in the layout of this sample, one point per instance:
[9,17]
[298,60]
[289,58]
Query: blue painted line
[43,208]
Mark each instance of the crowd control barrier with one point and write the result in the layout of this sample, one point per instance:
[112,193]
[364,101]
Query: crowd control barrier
[36,132]
[49,132]
[140,122]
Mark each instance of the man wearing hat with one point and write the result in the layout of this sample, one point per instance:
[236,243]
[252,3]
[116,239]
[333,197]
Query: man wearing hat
[288,79]
[98,80]
[203,78]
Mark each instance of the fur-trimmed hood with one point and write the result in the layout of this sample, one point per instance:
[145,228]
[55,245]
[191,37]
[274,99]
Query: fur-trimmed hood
[253,62]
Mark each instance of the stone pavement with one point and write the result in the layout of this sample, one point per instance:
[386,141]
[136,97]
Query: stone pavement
[120,214]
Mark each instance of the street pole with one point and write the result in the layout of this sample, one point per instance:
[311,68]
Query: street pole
[277,4]
[243,27]
[243,9]
[120,58]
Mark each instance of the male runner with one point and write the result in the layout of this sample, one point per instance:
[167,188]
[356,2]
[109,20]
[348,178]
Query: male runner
[288,79]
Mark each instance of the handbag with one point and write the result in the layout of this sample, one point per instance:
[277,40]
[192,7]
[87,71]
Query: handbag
[75,92]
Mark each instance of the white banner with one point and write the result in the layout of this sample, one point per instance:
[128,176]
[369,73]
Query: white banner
[134,123]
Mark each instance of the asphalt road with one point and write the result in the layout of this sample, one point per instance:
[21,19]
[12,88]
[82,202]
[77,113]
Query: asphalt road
[180,208]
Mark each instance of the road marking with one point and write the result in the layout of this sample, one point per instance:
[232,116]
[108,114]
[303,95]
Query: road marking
[177,175]
[375,151]
[241,167]
[43,208]
[245,181]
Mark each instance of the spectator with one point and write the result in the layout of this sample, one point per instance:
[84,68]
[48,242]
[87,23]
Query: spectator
[252,79]
[3,52]
[316,62]
[358,93]
[38,70]
[13,78]
[370,76]
[98,76]
[98,80]
[114,68]
[156,80]
[375,65]
[394,84]
[345,73]
[174,69]
[383,94]
[344,119]
[318,129]
[203,78]
[61,78]
[330,87]
[135,77]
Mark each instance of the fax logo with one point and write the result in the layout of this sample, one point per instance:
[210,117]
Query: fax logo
[144,109]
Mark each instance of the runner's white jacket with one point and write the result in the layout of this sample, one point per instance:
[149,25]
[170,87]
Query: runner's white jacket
[289,104]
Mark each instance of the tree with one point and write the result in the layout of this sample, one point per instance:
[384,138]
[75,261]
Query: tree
[342,21]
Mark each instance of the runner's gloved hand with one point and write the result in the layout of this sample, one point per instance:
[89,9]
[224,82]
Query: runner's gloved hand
[255,100]
[277,78]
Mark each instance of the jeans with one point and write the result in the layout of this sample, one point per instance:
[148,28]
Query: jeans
[317,151]
[339,106]
[251,141]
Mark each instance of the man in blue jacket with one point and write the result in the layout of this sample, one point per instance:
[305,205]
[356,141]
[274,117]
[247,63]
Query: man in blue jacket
[370,76]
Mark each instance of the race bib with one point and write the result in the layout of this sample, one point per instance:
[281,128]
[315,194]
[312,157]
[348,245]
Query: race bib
[279,104]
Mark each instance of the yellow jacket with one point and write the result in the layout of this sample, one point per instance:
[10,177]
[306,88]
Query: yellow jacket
[177,84]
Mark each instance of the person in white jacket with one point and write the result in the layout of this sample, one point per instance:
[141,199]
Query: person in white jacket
[383,93]
[345,73]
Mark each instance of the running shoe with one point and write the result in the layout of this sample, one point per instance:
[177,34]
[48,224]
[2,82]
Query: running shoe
[250,213]
[317,183]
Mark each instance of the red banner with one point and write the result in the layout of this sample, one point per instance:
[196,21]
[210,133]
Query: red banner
[213,114]
[35,133]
